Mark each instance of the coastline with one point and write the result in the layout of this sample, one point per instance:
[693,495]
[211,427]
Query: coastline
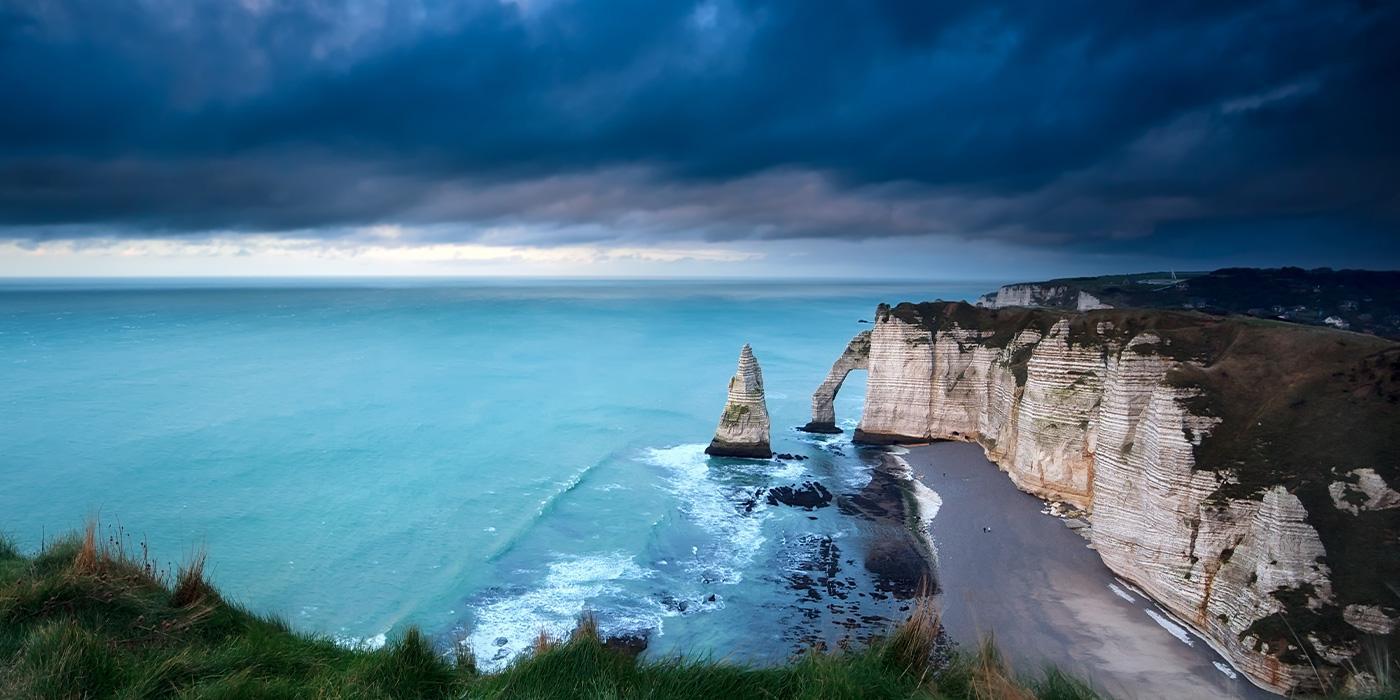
[926,503]
[1005,567]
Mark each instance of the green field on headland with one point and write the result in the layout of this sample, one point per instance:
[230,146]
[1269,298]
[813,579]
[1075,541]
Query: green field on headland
[87,618]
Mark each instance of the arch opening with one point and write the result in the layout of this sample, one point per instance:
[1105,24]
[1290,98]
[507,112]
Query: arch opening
[856,356]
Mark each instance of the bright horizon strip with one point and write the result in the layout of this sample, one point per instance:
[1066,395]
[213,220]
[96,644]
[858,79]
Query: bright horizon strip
[259,255]
[390,251]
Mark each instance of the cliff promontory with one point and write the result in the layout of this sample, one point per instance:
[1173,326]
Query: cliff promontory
[743,426]
[1243,472]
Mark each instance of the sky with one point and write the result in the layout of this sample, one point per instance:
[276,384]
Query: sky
[950,139]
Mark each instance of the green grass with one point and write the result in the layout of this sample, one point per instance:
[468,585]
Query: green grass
[84,618]
[87,619]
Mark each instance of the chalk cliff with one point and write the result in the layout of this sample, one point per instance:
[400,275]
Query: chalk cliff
[1041,296]
[743,426]
[1241,473]
[856,356]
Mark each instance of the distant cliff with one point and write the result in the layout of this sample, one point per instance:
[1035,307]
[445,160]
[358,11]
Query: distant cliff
[1366,301]
[1042,295]
[1240,471]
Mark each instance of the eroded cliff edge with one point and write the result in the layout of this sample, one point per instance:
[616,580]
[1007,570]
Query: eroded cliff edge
[1242,472]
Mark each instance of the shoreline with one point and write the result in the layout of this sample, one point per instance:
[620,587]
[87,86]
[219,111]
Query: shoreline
[926,504]
[1004,568]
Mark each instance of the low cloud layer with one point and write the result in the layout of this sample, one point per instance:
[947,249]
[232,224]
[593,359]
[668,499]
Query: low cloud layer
[1078,125]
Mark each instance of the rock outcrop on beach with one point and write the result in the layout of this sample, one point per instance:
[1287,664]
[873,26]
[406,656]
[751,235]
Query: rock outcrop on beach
[1240,472]
[743,426]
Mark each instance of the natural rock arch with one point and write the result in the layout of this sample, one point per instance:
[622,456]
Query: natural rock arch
[856,356]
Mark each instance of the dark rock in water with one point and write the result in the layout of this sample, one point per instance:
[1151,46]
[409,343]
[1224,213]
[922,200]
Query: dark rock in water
[900,565]
[785,455]
[901,569]
[821,427]
[817,560]
[811,495]
[749,500]
[719,448]
[628,644]
[501,641]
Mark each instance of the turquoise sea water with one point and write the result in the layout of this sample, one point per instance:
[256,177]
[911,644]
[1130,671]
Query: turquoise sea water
[481,459]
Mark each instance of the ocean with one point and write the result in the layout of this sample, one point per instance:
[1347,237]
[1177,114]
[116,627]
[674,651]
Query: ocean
[483,459]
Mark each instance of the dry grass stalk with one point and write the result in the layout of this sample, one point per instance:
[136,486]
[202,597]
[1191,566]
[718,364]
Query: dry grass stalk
[912,645]
[88,558]
[587,627]
[993,679]
[190,586]
[462,655]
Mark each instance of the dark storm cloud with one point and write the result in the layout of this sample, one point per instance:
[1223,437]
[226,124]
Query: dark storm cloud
[1069,123]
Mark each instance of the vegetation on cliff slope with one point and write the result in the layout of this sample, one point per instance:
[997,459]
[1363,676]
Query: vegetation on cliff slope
[85,618]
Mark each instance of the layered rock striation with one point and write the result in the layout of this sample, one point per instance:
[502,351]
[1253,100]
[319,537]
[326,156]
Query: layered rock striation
[1241,473]
[743,426]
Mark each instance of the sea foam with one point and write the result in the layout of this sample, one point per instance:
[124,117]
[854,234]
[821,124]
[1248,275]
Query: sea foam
[507,624]
[735,538]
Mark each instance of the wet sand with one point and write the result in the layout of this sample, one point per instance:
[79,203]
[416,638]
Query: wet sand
[1045,595]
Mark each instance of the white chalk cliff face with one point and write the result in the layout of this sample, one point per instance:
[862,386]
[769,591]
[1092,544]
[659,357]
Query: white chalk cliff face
[743,426]
[1094,419]
[1041,296]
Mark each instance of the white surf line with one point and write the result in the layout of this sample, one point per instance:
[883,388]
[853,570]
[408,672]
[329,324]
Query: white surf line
[1131,587]
[926,500]
[1211,643]
[1121,593]
[1225,670]
[929,501]
[1171,627]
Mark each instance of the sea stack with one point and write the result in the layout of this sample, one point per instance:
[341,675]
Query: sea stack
[743,427]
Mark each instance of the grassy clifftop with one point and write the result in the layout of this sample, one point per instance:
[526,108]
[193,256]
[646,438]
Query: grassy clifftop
[85,619]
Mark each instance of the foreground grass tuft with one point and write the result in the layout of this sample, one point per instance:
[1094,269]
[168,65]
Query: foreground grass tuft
[86,618]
